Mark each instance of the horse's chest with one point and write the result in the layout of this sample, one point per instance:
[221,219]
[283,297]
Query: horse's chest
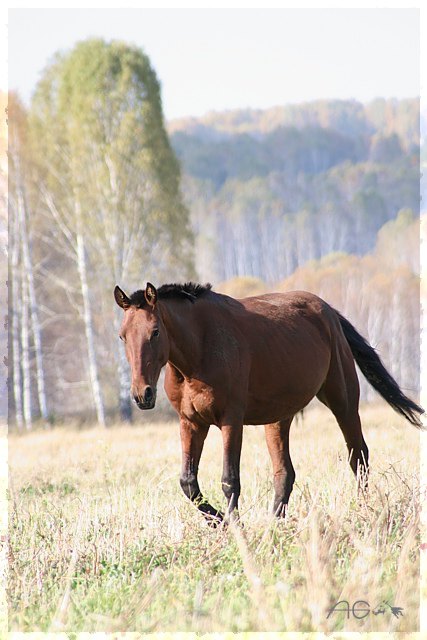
[199,403]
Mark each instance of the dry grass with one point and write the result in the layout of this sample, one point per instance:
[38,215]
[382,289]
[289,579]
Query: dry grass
[101,538]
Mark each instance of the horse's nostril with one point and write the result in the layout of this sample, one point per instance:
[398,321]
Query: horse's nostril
[145,399]
[148,395]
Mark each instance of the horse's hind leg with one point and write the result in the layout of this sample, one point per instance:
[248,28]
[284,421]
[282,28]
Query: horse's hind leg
[277,436]
[340,394]
[356,445]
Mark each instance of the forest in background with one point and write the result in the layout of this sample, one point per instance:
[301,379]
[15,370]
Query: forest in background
[321,196]
[274,189]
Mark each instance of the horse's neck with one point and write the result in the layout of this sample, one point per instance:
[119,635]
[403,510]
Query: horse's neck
[185,336]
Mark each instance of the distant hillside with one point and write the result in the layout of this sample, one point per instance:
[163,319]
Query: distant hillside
[349,117]
[270,190]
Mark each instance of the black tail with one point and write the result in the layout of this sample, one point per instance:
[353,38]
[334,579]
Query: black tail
[377,375]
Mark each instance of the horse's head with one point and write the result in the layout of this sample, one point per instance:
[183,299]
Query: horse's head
[146,342]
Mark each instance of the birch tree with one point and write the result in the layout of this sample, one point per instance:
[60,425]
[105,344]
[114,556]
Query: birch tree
[110,182]
[14,321]
[5,381]
[26,336]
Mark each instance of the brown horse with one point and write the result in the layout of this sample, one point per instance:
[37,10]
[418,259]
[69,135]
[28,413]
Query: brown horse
[258,360]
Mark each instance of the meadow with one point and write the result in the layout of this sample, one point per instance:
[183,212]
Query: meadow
[103,539]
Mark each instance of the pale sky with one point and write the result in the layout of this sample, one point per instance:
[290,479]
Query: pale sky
[216,59]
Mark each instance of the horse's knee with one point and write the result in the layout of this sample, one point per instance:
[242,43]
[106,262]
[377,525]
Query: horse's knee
[190,486]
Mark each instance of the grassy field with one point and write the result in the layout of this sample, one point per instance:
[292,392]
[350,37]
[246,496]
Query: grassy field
[102,539]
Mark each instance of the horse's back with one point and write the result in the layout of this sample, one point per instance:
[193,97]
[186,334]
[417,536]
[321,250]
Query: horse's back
[288,300]
[296,309]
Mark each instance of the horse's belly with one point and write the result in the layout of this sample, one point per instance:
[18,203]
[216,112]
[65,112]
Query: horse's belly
[278,390]
[265,411]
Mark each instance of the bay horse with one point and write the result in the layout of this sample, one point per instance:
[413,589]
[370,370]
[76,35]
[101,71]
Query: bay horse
[257,360]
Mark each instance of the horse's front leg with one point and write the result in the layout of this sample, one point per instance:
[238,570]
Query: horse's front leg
[232,444]
[192,440]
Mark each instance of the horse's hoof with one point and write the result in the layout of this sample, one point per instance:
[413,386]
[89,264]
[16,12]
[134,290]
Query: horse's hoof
[215,521]
[233,518]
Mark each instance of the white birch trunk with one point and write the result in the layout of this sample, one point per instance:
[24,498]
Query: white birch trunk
[14,312]
[25,343]
[87,318]
[28,267]
[125,405]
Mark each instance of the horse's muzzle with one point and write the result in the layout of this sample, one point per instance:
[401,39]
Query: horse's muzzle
[147,400]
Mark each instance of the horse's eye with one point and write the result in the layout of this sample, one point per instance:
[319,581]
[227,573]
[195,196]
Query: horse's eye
[155,334]
[122,338]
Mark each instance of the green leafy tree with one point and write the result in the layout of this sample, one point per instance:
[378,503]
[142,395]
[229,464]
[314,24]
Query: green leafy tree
[110,182]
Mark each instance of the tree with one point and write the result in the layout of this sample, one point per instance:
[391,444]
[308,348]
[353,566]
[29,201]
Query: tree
[110,184]
[23,308]
[399,241]
[386,149]
[3,252]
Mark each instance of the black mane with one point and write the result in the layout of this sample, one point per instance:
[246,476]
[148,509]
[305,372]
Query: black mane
[189,290]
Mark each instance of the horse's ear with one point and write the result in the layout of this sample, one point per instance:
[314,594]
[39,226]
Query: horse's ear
[151,294]
[121,298]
